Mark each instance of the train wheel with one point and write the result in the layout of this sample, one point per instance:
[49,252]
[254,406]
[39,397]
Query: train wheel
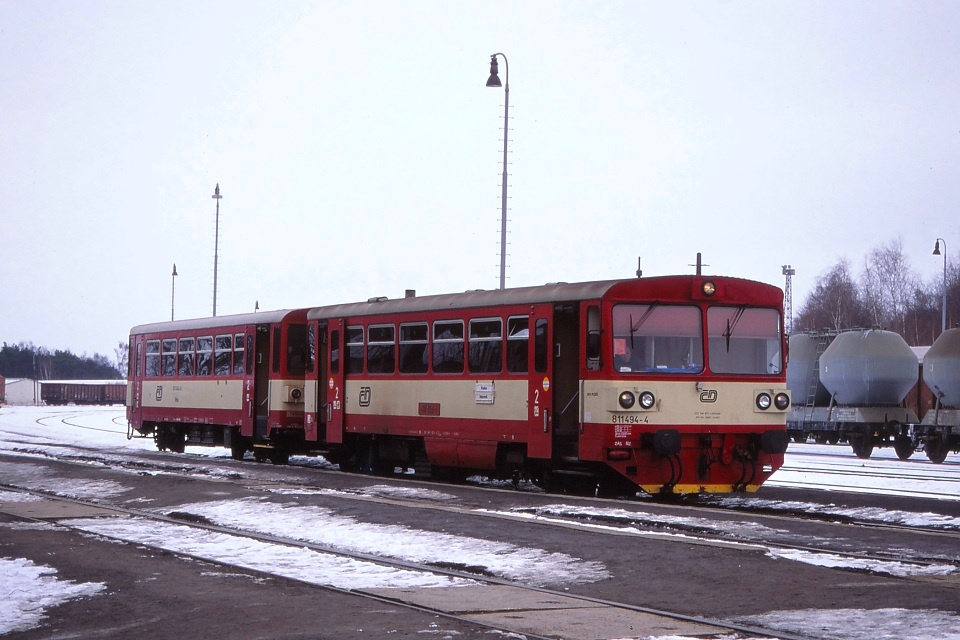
[862,445]
[237,450]
[279,456]
[937,449]
[904,447]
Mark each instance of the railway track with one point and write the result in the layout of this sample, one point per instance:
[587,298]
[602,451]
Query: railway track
[486,597]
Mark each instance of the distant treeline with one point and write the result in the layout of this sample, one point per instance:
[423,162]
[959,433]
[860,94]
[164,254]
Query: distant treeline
[25,360]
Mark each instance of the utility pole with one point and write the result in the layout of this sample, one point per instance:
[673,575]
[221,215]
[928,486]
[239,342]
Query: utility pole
[216,247]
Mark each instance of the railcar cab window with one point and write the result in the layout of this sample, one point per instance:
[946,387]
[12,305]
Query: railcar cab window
[486,345]
[518,344]
[448,346]
[655,338]
[381,348]
[744,340]
[413,347]
[354,362]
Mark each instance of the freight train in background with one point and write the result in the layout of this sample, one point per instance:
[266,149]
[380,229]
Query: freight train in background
[673,384]
[58,392]
[868,388]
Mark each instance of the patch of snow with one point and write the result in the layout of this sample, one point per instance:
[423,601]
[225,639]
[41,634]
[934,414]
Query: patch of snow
[302,564]
[323,526]
[27,590]
[862,624]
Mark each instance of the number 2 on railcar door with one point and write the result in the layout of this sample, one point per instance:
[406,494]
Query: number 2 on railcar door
[540,386]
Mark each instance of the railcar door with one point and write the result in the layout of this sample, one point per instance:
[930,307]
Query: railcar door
[540,385]
[261,382]
[334,383]
[566,380]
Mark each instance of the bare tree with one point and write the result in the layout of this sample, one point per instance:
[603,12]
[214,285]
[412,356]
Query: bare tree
[835,302]
[122,354]
[889,285]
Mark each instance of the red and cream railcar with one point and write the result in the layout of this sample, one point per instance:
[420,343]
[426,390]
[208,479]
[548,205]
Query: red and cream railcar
[234,381]
[670,384]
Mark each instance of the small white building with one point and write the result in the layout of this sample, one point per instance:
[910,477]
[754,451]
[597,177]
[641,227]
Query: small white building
[21,391]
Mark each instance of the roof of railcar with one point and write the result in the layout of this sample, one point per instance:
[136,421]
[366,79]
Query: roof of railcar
[548,293]
[195,324]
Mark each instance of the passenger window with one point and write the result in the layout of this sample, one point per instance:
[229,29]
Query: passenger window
[185,358]
[518,343]
[242,356]
[354,350]
[486,345]
[169,357]
[448,346]
[381,349]
[205,356]
[223,355]
[413,348]
[152,363]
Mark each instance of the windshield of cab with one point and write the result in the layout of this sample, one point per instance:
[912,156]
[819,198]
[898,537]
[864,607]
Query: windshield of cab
[655,338]
[744,340]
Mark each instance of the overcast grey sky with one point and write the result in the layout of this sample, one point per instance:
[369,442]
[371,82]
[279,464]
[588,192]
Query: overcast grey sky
[358,151]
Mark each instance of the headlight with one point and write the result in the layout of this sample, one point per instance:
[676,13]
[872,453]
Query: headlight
[781,401]
[764,401]
[627,399]
[647,400]
[709,288]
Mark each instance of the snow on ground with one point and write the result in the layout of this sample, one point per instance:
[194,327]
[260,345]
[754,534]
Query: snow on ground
[27,590]
[49,431]
[319,525]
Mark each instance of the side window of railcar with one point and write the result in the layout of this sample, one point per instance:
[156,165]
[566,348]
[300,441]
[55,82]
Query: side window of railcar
[518,341]
[413,347]
[311,346]
[223,355]
[139,355]
[486,345]
[354,350]
[335,351]
[381,348]
[744,340]
[297,349]
[204,355]
[151,365]
[655,338]
[185,358]
[276,350]
[241,356]
[168,357]
[448,346]
[540,346]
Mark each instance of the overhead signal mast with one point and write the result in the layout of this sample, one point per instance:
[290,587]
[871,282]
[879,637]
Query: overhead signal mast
[789,272]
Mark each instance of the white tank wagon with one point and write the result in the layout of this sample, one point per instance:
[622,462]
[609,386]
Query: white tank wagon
[939,433]
[866,374]
[806,389]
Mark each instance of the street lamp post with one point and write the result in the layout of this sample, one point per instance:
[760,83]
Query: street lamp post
[173,289]
[936,252]
[494,81]
[216,246]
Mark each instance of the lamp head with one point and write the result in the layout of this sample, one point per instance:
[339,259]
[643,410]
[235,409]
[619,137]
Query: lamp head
[174,269]
[936,248]
[494,79]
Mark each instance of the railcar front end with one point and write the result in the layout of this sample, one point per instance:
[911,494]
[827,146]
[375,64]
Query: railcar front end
[690,394]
